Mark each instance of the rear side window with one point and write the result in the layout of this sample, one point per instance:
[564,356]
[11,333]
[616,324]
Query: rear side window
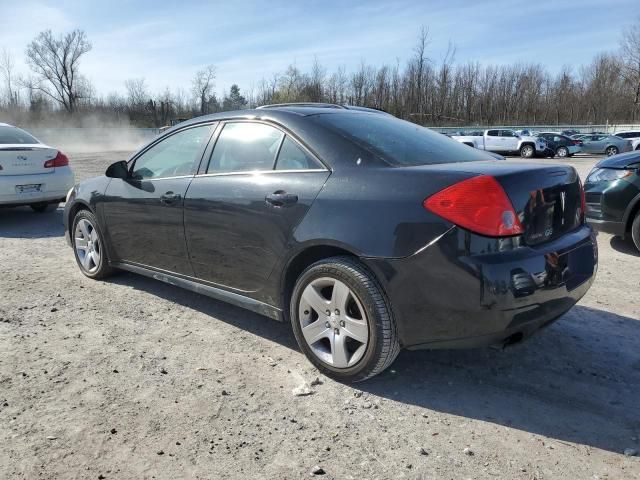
[13,135]
[397,142]
[293,157]
[493,133]
[245,147]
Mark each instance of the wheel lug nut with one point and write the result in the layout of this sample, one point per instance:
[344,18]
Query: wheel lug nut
[337,312]
[328,312]
[342,323]
[326,324]
[337,330]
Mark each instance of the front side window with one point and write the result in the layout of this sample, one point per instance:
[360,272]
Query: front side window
[293,157]
[507,133]
[245,147]
[176,155]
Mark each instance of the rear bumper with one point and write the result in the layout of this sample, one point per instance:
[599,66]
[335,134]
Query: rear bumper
[606,226]
[458,293]
[53,187]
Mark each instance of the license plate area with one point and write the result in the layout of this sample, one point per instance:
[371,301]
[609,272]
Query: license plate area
[30,188]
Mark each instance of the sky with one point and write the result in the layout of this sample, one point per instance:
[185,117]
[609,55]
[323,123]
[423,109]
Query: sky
[167,42]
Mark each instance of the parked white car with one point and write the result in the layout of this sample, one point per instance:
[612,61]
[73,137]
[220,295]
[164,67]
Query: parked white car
[31,173]
[633,136]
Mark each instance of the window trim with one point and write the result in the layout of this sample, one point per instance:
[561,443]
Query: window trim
[208,154]
[212,129]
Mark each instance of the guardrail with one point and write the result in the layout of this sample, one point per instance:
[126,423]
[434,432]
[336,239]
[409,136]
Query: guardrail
[606,128]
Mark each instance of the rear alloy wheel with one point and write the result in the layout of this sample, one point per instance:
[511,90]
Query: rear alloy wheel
[527,151]
[562,152]
[88,246]
[612,150]
[342,320]
[635,231]
[44,207]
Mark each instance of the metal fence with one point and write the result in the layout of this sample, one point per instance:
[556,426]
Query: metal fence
[606,128]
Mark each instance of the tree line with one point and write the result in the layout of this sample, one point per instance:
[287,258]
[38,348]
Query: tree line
[423,90]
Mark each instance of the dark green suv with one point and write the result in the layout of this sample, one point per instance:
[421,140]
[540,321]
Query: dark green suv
[612,192]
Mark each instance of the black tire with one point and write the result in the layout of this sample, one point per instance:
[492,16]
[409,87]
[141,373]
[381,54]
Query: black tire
[382,347]
[611,150]
[562,152]
[102,269]
[527,151]
[635,231]
[44,207]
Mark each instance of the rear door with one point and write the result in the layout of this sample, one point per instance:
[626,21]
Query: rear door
[144,214]
[240,213]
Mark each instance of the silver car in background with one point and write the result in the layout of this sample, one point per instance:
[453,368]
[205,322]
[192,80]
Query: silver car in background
[603,143]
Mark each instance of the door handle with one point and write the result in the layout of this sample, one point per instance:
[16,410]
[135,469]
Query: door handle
[281,198]
[169,198]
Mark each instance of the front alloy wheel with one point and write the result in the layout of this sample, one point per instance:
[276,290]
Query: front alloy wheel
[611,151]
[562,152]
[527,151]
[342,320]
[88,246]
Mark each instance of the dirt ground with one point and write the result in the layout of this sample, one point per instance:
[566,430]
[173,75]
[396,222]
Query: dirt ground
[132,378]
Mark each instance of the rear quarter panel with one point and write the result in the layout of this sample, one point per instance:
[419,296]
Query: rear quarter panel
[376,212]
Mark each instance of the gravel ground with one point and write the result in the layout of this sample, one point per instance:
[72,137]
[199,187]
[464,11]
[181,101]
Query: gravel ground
[131,378]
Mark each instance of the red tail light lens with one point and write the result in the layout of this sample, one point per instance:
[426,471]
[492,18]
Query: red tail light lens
[61,160]
[478,204]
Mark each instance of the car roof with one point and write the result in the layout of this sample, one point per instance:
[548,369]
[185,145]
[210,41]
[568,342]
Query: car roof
[5,125]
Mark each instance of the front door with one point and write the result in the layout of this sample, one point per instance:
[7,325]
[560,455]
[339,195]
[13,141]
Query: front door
[240,215]
[144,213]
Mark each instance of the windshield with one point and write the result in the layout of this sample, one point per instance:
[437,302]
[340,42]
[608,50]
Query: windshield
[398,142]
[13,135]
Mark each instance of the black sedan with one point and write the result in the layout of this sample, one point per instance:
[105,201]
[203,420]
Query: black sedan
[613,196]
[367,233]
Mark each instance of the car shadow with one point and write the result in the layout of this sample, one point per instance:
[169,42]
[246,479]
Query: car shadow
[624,246]
[576,381]
[22,222]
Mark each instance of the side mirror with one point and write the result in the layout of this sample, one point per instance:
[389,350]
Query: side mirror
[118,170]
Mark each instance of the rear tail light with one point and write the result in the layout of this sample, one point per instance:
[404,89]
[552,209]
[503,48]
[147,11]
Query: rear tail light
[478,204]
[61,160]
[583,202]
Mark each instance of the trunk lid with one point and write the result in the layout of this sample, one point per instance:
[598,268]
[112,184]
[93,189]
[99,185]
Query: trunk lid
[546,198]
[25,159]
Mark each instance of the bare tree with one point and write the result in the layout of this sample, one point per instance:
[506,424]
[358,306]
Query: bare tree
[202,86]
[55,62]
[630,68]
[7,69]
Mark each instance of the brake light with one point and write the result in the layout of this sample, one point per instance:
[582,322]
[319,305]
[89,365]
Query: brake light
[61,160]
[478,204]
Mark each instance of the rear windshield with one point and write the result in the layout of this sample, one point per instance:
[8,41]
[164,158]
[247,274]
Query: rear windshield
[398,142]
[13,135]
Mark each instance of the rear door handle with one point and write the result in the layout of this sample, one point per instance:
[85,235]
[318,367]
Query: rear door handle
[169,198]
[281,198]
